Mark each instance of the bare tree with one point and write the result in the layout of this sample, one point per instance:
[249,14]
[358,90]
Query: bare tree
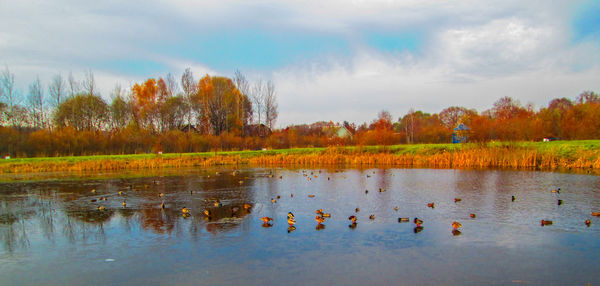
[57,90]
[35,103]
[258,99]
[10,97]
[89,83]
[190,88]
[172,86]
[241,83]
[270,104]
[73,85]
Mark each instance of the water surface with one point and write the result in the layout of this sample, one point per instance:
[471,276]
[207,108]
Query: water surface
[52,231]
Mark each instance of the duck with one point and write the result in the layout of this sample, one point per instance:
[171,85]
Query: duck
[319,211]
[124,203]
[403,219]
[381,190]
[456,225]
[291,195]
[120,193]
[457,200]
[513,198]
[185,210]
[217,203]
[372,217]
[559,202]
[366,191]
[100,208]
[290,215]
[247,206]
[207,213]
[418,222]
[352,218]
[240,182]
[546,222]
[557,191]
[278,197]
[356,210]
[291,221]
[162,205]
[588,222]
[161,195]
[266,219]
[396,208]
[596,213]
[319,219]
[326,215]
[273,200]
[93,190]
[472,215]
[311,196]
[431,205]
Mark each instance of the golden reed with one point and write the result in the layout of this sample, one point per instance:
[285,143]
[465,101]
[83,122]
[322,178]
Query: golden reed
[492,157]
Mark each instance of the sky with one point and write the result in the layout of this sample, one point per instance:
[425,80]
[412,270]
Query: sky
[331,60]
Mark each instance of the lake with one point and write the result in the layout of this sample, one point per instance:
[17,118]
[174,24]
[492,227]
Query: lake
[72,229]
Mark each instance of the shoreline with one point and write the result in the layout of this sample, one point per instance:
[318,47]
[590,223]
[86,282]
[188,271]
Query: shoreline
[583,155]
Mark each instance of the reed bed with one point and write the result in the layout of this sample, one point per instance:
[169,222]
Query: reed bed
[435,156]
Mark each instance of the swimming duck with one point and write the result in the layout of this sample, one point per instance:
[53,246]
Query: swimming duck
[368,176]
[217,203]
[291,221]
[396,208]
[457,200]
[162,205]
[100,208]
[93,191]
[403,219]
[311,196]
[319,219]
[456,225]
[266,219]
[560,202]
[546,222]
[326,215]
[372,217]
[596,213]
[557,191]
[319,211]
[124,203]
[431,205]
[240,182]
[207,213]
[247,206]
[352,225]
[120,193]
[381,190]
[418,222]
[161,195]
[278,197]
[513,198]
[273,200]
[356,209]
[185,210]
[588,222]
[472,215]
[366,191]
[352,218]
[291,195]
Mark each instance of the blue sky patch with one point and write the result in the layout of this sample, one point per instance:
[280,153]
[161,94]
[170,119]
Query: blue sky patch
[586,22]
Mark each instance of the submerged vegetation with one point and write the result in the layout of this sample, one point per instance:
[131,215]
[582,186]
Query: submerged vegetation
[533,155]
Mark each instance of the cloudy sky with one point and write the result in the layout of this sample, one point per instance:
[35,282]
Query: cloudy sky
[330,60]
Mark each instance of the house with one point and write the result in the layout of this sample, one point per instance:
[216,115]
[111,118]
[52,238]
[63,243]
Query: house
[259,130]
[461,134]
[337,131]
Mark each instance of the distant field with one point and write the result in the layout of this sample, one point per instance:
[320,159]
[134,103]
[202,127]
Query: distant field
[565,154]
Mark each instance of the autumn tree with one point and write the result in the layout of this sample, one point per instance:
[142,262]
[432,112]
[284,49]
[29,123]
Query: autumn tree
[223,104]
[83,112]
[145,98]
[451,116]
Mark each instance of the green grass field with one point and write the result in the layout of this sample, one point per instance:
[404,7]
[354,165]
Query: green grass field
[566,149]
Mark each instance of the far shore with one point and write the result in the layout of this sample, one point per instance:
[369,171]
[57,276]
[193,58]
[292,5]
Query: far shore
[582,155]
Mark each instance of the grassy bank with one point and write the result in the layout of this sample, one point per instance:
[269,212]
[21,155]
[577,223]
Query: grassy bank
[541,155]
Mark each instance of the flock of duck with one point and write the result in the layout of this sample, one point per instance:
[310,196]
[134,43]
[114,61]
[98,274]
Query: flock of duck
[321,215]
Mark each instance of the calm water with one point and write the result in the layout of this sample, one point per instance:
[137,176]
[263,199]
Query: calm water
[52,232]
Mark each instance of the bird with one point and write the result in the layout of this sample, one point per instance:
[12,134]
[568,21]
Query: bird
[560,202]
[273,200]
[431,205]
[326,215]
[381,190]
[266,219]
[588,222]
[546,222]
[185,210]
[319,211]
[290,215]
[403,219]
[278,197]
[217,203]
[124,203]
[311,196]
[356,209]
[457,200]
[120,193]
[596,213]
[456,225]
[93,191]
[207,212]
[472,215]
[291,195]
[100,208]
[372,217]
[366,191]
[396,208]
[513,198]
[352,218]
[291,221]
[418,222]
[319,219]
[247,206]
[161,195]
[557,191]
[162,205]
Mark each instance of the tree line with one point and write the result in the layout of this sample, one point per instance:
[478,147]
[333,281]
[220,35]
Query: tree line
[168,114]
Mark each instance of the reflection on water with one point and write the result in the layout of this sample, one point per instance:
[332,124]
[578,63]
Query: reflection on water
[205,225]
